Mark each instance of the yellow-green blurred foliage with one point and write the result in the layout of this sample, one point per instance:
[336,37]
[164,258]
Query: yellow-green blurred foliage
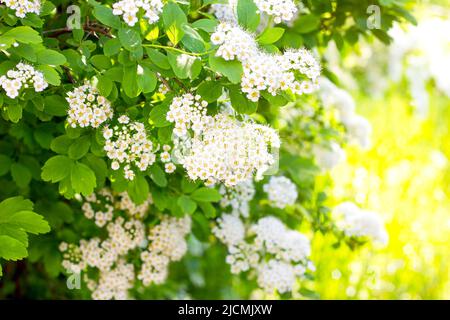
[405,177]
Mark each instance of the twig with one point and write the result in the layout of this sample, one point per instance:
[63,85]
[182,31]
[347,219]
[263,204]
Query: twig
[164,81]
[69,75]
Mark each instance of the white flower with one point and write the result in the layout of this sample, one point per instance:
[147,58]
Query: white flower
[22,76]
[238,197]
[22,7]
[230,230]
[129,9]
[169,167]
[356,222]
[128,146]
[263,71]
[276,275]
[87,108]
[281,192]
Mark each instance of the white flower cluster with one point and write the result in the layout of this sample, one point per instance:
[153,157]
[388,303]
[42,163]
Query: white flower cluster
[22,7]
[22,76]
[356,222]
[421,53]
[166,243]
[281,192]
[225,11]
[101,206]
[126,236]
[357,127]
[296,69]
[129,10]
[222,149]
[281,10]
[87,108]
[238,198]
[128,146]
[278,255]
[327,157]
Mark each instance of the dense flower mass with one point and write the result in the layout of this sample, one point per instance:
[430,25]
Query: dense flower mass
[129,10]
[87,108]
[238,197]
[129,147]
[166,243]
[356,222]
[220,148]
[278,255]
[22,7]
[21,77]
[281,10]
[281,192]
[126,234]
[358,128]
[296,69]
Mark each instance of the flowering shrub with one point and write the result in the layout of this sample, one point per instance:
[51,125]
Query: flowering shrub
[164,143]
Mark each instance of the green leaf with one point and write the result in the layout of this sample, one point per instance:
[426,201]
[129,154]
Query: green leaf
[231,69]
[79,148]
[61,144]
[21,175]
[174,18]
[14,112]
[129,83]
[130,39]
[82,178]
[138,189]
[187,185]
[208,209]
[5,164]
[56,168]
[111,47]
[16,219]
[158,58]
[106,17]
[206,195]
[192,40]
[207,25]
[187,204]
[50,74]
[55,105]
[158,175]
[104,85]
[24,34]
[101,62]
[146,79]
[50,57]
[184,66]
[307,23]
[240,102]
[271,35]
[247,14]
[210,90]
[158,115]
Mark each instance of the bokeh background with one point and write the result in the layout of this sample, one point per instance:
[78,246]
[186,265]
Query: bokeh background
[404,91]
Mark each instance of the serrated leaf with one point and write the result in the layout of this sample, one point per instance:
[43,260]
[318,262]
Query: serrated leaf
[83,179]
[56,168]
[187,204]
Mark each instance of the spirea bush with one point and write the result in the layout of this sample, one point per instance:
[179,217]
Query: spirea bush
[170,149]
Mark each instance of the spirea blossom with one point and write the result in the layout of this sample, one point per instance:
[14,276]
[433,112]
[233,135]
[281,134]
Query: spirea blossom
[225,11]
[327,157]
[238,197]
[295,70]
[281,10]
[129,10]
[219,148]
[87,108]
[21,77]
[22,7]
[127,238]
[166,243]
[358,128]
[129,147]
[356,222]
[281,191]
[99,206]
[278,255]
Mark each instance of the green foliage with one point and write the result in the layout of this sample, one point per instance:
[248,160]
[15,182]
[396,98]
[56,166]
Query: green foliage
[45,159]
